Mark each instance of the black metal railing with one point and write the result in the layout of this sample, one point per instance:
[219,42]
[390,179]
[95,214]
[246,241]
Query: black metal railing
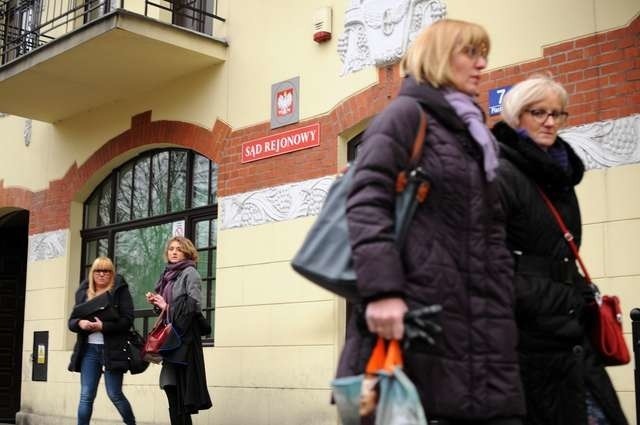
[635,338]
[28,24]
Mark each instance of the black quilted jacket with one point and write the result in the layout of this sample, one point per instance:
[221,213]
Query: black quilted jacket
[455,255]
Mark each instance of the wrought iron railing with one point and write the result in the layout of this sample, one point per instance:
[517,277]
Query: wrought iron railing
[28,24]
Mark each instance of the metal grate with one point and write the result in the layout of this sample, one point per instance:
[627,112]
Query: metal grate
[26,25]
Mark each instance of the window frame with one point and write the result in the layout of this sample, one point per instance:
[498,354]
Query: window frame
[189,215]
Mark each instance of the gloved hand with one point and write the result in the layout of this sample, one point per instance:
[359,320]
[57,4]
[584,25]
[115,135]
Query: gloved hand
[418,325]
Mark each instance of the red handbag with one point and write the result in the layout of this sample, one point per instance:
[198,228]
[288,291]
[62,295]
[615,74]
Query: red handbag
[156,339]
[607,336]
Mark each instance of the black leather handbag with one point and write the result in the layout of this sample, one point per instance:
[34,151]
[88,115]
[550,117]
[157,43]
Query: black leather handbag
[325,257]
[135,343]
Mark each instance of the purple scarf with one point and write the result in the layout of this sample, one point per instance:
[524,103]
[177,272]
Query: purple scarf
[164,285]
[471,115]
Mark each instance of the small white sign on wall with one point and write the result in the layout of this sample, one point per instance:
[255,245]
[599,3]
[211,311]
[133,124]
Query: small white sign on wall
[177,228]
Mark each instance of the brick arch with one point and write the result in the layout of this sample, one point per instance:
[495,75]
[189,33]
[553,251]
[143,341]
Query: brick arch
[50,207]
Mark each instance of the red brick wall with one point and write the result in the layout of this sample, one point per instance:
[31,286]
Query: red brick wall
[49,208]
[601,73]
[308,163]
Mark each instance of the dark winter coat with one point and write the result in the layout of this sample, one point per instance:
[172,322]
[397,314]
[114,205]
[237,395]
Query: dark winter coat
[190,324]
[186,362]
[115,332]
[455,256]
[558,363]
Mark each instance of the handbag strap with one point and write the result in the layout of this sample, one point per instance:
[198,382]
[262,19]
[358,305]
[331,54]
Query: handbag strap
[566,234]
[402,180]
[418,143]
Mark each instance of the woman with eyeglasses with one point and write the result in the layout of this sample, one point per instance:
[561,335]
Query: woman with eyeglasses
[101,318]
[564,380]
[454,256]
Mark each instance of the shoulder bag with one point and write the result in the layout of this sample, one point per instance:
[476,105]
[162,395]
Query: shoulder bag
[606,336]
[134,347]
[163,337]
[325,257]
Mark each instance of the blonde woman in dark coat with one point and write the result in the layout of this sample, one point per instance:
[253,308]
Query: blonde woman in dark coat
[455,254]
[101,338]
[564,379]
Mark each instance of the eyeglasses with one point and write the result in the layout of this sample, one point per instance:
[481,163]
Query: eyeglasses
[475,52]
[103,271]
[542,115]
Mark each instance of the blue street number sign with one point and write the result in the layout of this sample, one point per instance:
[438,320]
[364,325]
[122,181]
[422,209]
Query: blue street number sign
[495,99]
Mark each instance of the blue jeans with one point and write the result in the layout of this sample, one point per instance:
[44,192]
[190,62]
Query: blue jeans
[90,371]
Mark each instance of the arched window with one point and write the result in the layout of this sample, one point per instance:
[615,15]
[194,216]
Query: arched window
[140,205]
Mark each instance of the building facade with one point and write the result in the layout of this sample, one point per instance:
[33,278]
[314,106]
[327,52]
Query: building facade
[127,122]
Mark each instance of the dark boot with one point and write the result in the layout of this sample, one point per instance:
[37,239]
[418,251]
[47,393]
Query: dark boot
[174,417]
[179,418]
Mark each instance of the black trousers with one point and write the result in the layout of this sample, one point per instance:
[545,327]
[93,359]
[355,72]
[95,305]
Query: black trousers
[175,410]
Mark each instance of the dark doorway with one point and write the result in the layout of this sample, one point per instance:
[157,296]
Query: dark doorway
[14,231]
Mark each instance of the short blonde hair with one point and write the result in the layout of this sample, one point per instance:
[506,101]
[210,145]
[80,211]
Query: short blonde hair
[100,263]
[428,58]
[524,94]
[186,247]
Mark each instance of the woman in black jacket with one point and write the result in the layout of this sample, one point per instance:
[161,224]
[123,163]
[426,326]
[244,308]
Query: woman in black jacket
[178,293]
[101,318]
[455,254]
[565,381]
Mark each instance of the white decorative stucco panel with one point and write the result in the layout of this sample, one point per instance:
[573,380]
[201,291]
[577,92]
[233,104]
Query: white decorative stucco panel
[599,145]
[274,204]
[48,245]
[377,32]
[606,143]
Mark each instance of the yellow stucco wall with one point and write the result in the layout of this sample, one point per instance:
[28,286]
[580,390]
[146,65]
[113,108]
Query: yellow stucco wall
[520,29]
[610,204]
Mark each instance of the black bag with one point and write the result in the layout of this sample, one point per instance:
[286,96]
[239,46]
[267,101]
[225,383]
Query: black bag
[325,257]
[100,307]
[135,342]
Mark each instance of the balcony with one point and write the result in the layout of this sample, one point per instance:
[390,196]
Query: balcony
[59,58]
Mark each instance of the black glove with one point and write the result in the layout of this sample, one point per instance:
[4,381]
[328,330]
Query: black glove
[418,325]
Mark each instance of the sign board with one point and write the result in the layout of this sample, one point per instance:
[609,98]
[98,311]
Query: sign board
[281,143]
[39,356]
[177,228]
[496,97]
[285,102]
